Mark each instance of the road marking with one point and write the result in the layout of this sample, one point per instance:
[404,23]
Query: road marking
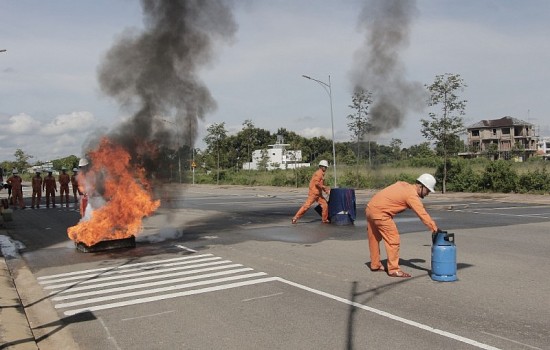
[392,316]
[150,284]
[75,273]
[262,297]
[142,279]
[170,296]
[147,316]
[513,341]
[93,279]
[185,248]
[506,214]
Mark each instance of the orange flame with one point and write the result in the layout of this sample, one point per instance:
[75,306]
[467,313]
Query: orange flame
[127,194]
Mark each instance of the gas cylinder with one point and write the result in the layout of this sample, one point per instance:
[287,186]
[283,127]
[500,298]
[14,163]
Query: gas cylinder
[443,257]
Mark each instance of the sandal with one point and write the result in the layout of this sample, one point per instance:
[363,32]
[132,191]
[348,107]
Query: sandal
[401,274]
[380,269]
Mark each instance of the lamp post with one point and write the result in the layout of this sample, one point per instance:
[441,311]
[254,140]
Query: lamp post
[179,153]
[328,89]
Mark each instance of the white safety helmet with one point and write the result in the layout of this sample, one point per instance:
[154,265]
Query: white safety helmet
[75,169]
[14,171]
[428,181]
[82,162]
[323,163]
[64,168]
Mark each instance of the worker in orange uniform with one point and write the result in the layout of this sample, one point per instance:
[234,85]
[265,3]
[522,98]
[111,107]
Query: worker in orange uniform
[51,187]
[36,183]
[316,189]
[74,184]
[16,183]
[83,185]
[380,211]
[64,180]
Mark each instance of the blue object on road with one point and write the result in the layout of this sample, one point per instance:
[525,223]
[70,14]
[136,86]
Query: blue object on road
[342,206]
[444,257]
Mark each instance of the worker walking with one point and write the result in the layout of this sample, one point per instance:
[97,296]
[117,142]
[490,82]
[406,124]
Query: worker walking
[74,184]
[51,187]
[315,194]
[64,180]
[36,183]
[16,183]
[380,211]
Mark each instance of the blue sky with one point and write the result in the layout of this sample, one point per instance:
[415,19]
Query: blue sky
[50,98]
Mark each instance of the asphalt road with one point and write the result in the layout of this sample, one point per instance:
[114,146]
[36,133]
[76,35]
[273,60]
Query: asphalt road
[223,268]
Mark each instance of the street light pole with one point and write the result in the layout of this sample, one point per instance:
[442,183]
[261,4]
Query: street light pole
[328,89]
[179,153]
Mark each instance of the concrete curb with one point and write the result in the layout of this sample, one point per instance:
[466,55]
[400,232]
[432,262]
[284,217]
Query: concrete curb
[15,331]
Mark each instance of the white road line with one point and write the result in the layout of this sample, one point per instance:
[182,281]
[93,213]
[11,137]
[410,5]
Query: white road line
[75,273]
[169,296]
[147,316]
[144,273]
[150,284]
[117,271]
[185,248]
[503,214]
[142,279]
[262,297]
[512,341]
[157,290]
[392,316]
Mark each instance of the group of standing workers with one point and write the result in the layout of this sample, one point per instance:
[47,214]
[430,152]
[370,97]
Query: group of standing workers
[48,185]
[380,210]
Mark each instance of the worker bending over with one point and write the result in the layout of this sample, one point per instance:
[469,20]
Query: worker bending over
[380,211]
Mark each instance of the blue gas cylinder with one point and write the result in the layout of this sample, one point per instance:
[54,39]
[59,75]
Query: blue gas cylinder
[444,257]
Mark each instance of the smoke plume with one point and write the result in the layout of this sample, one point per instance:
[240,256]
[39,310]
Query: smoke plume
[378,67]
[154,73]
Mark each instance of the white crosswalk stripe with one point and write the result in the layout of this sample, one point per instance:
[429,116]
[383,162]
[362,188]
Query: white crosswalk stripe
[136,283]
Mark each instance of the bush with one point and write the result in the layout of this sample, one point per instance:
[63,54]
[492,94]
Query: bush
[352,180]
[460,176]
[499,177]
[537,181]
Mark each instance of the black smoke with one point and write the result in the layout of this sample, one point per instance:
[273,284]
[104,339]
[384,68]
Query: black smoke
[378,67]
[154,73]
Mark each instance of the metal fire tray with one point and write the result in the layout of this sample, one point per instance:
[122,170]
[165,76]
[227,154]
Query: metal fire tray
[129,242]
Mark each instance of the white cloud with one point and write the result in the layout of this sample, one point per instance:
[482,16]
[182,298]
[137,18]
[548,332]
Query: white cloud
[22,124]
[67,123]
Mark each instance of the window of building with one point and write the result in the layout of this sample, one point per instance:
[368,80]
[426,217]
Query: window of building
[475,133]
[494,132]
[506,131]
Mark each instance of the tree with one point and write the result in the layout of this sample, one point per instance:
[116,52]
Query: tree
[216,134]
[21,162]
[395,145]
[442,127]
[358,121]
[249,136]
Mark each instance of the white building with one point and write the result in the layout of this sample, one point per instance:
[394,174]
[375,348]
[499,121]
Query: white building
[543,147]
[276,157]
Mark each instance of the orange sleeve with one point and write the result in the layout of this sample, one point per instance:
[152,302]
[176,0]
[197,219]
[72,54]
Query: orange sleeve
[413,201]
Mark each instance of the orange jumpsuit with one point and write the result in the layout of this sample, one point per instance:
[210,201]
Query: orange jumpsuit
[64,180]
[316,189]
[17,190]
[36,191]
[380,225]
[74,184]
[51,187]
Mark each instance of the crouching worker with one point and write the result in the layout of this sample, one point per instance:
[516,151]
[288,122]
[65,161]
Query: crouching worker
[380,211]
[316,189]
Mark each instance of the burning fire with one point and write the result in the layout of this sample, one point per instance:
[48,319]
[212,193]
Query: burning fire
[125,191]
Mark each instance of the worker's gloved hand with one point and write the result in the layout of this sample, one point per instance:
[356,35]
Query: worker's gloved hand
[326,189]
[434,234]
